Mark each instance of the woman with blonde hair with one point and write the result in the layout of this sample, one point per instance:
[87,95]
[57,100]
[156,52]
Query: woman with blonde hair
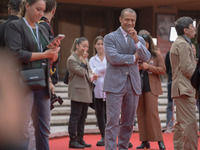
[28,41]
[147,111]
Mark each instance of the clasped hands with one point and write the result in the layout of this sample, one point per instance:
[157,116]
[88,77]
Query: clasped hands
[144,66]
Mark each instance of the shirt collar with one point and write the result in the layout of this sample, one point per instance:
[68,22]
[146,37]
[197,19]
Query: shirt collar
[187,39]
[97,58]
[123,32]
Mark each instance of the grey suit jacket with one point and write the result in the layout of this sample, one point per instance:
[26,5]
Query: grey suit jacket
[120,62]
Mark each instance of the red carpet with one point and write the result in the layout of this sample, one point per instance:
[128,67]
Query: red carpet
[63,143]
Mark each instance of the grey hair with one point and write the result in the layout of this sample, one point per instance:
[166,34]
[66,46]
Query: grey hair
[181,23]
[130,10]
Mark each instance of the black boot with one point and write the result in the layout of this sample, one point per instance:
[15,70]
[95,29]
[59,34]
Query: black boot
[82,142]
[161,145]
[130,145]
[101,142]
[143,145]
[75,144]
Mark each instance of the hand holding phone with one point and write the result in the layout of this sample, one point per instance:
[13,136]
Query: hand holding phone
[56,41]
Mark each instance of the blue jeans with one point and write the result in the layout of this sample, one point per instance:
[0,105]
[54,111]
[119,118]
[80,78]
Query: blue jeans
[38,106]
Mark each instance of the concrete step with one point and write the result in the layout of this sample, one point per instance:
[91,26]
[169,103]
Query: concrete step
[60,114]
[91,119]
[66,111]
[63,120]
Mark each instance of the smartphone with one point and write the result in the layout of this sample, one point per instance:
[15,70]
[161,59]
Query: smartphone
[58,37]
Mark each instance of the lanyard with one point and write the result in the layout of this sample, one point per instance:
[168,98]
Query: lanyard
[37,39]
[47,21]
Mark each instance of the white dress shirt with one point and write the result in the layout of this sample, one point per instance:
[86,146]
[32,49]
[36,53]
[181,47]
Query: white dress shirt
[98,67]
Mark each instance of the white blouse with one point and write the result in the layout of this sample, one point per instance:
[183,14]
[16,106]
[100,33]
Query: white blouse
[98,67]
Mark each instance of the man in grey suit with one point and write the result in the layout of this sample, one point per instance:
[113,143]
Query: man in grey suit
[123,48]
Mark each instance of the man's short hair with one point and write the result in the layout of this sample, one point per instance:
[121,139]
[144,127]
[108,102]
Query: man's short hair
[50,5]
[130,10]
[14,4]
[181,23]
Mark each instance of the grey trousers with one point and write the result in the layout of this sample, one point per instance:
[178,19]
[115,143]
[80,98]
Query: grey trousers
[124,102]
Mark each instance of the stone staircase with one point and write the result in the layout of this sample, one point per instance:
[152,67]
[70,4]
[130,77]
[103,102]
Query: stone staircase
[60,114]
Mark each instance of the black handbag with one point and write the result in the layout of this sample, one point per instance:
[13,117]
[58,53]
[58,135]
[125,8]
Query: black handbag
[66,77]
[34,78]
[195,79]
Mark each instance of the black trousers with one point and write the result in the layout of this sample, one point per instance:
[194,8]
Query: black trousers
[100,109]
[77,119]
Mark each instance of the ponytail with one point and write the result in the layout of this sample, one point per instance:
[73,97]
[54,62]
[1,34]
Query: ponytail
[77,41]
[74,45]
[23,8]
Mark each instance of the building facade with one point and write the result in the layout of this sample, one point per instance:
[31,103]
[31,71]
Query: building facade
[90,18]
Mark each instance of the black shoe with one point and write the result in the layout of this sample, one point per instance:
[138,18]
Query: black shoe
[161,145]
[100,142]
[75,144]
[143,145]
[82,142]
[130,145]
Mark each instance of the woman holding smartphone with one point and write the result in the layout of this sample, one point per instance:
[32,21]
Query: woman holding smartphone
[28,40]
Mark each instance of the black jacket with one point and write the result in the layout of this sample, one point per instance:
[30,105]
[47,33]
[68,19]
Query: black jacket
[168,67]
[55,76]
[3,28]
[19,40]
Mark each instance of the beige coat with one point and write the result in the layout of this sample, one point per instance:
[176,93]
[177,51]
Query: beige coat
[183,65]
[79,86]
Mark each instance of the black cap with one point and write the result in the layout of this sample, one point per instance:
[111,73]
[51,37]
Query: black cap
[14,4]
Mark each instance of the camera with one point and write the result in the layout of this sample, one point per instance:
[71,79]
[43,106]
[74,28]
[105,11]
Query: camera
[55,98]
